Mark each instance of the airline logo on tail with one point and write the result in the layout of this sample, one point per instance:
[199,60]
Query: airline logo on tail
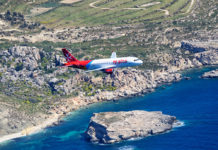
[68,56]
[105,65]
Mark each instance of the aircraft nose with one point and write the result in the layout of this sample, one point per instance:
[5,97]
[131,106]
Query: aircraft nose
[140,62]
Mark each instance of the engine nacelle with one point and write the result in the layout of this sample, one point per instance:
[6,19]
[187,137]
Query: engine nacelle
[108,71]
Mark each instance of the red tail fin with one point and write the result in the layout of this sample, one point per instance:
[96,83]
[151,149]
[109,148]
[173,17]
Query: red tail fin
[68,56]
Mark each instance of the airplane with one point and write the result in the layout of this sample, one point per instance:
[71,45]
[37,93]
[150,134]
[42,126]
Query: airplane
[106,65]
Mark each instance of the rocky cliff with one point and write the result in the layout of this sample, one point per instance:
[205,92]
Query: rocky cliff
[31,76]
[111,127]
[210,74]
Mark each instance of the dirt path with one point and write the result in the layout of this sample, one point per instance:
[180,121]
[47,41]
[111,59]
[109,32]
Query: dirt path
[150,4]
[190,7]
[69,1]
[93,5]
[166,11]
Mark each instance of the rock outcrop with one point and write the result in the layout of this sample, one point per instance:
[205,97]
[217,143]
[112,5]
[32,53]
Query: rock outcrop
[111,127]
[208,57]
[210,74]
[199,46]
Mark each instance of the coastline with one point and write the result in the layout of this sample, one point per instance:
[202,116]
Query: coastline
[54,119]
[154,80]
[72,104]
[30,130]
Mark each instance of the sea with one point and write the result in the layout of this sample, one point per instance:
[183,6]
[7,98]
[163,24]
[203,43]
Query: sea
[194,102]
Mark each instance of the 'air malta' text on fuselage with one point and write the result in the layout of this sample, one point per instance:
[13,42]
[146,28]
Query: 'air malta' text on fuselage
[119,61]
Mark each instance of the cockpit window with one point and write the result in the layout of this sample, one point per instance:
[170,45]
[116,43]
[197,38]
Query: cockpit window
[136,59]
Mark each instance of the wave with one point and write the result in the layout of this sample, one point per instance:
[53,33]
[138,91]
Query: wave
[178,124]
[135,139]
[127,147]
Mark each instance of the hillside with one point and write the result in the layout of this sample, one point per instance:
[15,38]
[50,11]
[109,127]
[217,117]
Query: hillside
[168,35]
[56,13]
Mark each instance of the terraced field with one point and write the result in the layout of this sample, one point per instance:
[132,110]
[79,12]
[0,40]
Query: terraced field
[92,12]
[97,12]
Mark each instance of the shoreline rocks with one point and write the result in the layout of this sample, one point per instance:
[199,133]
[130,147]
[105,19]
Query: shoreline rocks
[112,127]
[210,74]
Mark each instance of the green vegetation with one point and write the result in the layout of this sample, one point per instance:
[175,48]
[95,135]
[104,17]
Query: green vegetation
[90,89]
[24,90]
[19,66]
[144,40]
[22,105]
[23,6]
[110,88]
[93,12]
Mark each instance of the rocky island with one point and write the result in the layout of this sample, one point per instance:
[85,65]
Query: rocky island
[210,74]
[111,127]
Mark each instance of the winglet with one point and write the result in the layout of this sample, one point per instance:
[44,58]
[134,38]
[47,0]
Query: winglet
[113,55]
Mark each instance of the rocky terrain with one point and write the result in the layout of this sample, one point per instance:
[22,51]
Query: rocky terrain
[31,76]
[42,89]
[111,127]
[35,90]
[210,74]
[71,35]
[12,120]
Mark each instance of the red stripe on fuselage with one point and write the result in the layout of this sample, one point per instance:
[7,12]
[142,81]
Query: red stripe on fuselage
[78,64]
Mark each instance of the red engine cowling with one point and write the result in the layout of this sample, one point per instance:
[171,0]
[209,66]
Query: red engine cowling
[108,71]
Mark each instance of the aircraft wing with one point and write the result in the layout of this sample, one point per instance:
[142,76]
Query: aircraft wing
[102,68]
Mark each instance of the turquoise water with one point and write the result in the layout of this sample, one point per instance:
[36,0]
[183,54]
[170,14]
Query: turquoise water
[194,102]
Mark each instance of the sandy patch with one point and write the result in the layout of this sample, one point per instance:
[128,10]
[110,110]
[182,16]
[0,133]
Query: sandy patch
[190,7]
[150,4]
[10,38]
[166,11]
[58,49]
[31,130]
[133,8]
[3,24]
[39,10]
[69,1]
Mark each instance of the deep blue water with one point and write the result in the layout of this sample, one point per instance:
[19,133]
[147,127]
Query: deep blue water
[195,102]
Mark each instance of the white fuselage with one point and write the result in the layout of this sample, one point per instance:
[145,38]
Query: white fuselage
[114,63]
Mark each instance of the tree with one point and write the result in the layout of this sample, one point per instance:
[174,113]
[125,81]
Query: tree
[19,66]
[43,28]
[14,14]
[24,25]
[8,15]
[20,15]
